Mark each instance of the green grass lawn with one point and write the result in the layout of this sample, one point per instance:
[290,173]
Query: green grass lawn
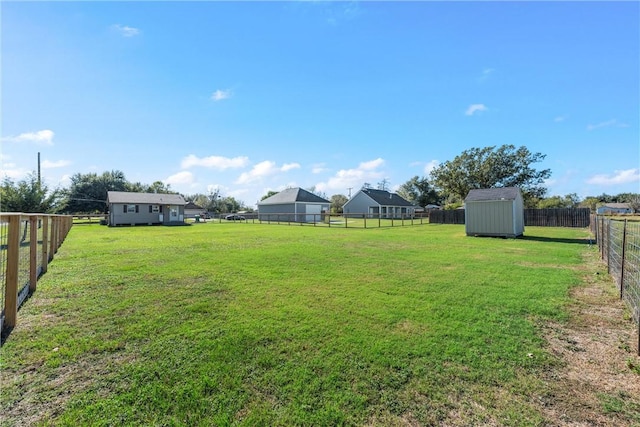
[248,324]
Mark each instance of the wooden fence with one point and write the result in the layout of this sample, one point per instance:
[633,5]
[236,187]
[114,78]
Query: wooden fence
[532,217]
[619,245]
[28,243]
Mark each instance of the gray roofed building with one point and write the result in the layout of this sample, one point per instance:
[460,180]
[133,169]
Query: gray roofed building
[494,212]
[291,195]
[293,204]
[379,203]
[129,208]
[157,198]
[502,193]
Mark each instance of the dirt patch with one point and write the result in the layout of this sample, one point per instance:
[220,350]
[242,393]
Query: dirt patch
[598,383]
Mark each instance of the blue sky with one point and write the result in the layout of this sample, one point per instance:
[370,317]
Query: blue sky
[256,96]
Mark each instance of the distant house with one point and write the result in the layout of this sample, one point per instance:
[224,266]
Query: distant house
[614,208]
[293,204]
[191,210]
[379,203]
[494,212]
[127,208]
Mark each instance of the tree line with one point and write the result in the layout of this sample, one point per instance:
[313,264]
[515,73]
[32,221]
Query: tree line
[447,185]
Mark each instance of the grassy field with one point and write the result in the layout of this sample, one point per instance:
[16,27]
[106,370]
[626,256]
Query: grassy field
[248,324]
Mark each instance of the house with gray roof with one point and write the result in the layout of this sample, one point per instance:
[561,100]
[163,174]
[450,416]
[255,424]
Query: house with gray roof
[494,212]
[129,208]
[614,208]
[294,205]
[379,204]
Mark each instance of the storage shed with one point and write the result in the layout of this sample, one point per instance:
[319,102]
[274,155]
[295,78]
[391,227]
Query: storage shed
[494,212]
[294,205]
[129,208]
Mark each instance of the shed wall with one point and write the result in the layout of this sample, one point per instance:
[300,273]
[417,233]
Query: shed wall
[494,218]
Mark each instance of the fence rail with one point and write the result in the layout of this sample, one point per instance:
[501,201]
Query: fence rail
[351,220]
[619,245]
[28,243]
[532,217]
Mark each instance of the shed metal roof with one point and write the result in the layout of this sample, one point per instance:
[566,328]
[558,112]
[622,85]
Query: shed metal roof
[293,195]
[149,198]
[385,198]
[488,194]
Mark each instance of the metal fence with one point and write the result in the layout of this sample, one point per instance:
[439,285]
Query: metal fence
[351,220]
[27,245]
[619,245]
[579,217]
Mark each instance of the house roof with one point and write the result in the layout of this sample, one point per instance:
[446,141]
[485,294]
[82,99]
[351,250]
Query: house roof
[488,194]
[150,198]
[385,198]
[293,195]
[191,205]
[616,205]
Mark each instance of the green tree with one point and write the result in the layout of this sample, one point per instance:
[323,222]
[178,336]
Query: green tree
[337,202]
[29,196]
[419,191]
[88,192]
[490,167]
[569,201]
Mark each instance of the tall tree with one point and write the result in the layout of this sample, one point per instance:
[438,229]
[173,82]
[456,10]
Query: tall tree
[489,167]
[383,185]
[419,191]
[29,196]
[337,202]
[569,201]
[88,192]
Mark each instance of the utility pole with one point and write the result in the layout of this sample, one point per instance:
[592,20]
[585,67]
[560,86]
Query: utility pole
[349,191]
[38,169]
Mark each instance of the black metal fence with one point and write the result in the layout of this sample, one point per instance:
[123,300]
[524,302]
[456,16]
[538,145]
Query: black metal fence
[352,220]
[579,217]
[619,245]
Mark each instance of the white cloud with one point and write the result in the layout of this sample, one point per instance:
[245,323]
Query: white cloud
[289,166]
[560,119]
[431,166]
[319,168]
[47,164]
[11,171]
[619,177]
[219,94]
[475,108]
[353,178]
[258,171]
[264,169]
[486,72]
[40,137]
[125,30]
[214,162]
[608,123]
[180,178]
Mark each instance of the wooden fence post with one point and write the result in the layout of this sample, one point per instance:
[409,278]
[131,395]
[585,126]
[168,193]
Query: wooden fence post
[33,252]
[13,259]
[45,243]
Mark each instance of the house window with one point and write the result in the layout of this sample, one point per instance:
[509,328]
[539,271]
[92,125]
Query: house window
[154,209]
[130,208]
